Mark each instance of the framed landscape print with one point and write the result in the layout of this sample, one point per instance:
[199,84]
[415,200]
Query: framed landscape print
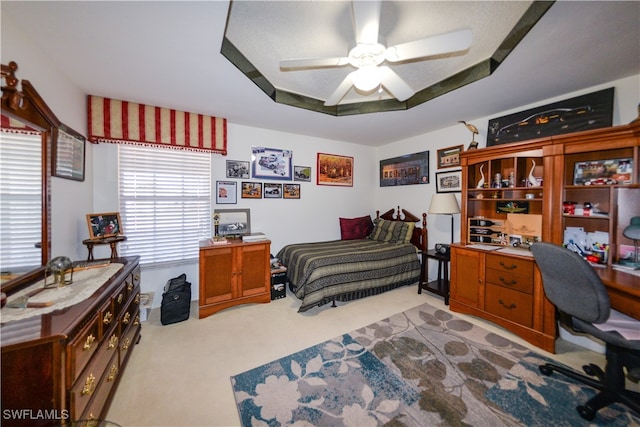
[251,190]
[449,157]
[449,182]
[333,169]
[405,170]
[271,163]
[291,191]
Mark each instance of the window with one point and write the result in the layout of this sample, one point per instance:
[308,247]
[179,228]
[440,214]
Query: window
[165,203]
[21,195]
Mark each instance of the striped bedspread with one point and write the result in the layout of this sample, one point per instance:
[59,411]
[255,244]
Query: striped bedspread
[344,270]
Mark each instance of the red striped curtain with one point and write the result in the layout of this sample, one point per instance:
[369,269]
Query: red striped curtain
[116,121]
[11,125]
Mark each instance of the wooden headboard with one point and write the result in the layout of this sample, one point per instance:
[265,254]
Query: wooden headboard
[419,237]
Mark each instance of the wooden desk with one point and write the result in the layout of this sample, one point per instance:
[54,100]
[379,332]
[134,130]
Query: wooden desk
[623,289]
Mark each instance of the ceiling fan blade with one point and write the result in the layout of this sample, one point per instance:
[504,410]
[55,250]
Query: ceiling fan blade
[341,91]
[394,84]
[366,21]
[437,45]
[313,63]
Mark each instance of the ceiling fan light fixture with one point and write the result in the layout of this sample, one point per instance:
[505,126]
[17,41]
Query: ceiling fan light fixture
[367,78]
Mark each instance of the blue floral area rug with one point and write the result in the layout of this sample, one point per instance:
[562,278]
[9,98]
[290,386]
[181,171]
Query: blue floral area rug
[422,367]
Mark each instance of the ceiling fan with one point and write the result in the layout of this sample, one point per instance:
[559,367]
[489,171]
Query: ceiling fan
[368,56]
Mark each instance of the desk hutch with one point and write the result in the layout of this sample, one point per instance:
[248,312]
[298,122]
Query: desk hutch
[506,287]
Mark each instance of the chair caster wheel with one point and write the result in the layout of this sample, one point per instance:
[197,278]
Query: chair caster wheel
[544,369]
[587,369]
[586,413]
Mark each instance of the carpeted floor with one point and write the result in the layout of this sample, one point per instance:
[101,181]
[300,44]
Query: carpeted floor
[422,367]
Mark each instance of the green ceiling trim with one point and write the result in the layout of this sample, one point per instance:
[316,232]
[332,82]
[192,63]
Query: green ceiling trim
[472,74]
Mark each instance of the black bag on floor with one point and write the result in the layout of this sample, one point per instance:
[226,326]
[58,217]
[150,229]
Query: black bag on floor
[176,300]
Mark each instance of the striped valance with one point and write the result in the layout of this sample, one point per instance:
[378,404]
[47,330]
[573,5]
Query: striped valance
[116,121]
[11,125]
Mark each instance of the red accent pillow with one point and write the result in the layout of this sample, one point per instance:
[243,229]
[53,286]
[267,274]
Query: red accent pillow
[355,228]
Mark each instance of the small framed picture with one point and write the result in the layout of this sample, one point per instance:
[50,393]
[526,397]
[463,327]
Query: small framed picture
[226,192]
[302,173]
[251,190]
[271,163]
[68,153]
[332,169]
[291,191]
[103,225]
[237,169]
[233,222]
[449,182]
[449,157]
[272,191]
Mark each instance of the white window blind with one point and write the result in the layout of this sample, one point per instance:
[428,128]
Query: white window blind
[165,203]
[21,195]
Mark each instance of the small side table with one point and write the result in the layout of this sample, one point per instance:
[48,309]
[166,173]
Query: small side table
[111,241]
[441,285]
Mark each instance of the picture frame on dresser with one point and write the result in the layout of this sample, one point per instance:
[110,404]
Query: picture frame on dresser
[233,222]
[102,225]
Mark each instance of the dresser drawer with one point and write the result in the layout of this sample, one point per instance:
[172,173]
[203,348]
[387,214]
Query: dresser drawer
[509,304]
[92,412]
[514,265]
[120,299]
[82,348]
[86,385]
[510,280]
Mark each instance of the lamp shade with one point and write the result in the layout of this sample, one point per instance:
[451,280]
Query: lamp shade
[444,203]
[632,231]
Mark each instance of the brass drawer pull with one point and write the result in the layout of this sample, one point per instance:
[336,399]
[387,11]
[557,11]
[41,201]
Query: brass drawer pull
[136,321]
[89,386]
[508,307]
[511,267]
[108,317]
[137,300]
[136,278]
[126,318]
[113,372]
[87,344]
[126,344]
[511,283]
[120,298]
[113,342]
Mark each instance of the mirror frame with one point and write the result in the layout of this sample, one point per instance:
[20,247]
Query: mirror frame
[26,104]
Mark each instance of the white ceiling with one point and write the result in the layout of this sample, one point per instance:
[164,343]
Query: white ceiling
[168,54]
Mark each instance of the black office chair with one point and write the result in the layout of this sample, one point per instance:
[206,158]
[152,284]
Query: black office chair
[581,298]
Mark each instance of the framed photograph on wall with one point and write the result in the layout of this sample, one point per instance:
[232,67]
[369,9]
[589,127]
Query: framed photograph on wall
[233,222]
[237,169]
[449,182]
[226,192]
[251,190]
[302,173]
[103,225]
[449,157]
[272,191]
[405,170]
[291,191]
[271,163]
[333,169]
[68,153]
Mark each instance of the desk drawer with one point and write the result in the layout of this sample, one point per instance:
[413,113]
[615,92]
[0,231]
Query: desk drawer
[511,264]
[510,280]
[509,304]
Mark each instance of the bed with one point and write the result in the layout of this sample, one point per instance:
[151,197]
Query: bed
[344,270]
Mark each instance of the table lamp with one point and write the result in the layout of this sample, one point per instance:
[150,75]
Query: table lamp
[444,204]
[632,231]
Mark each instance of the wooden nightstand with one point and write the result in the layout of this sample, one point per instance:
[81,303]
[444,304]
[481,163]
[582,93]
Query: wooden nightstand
[441,285]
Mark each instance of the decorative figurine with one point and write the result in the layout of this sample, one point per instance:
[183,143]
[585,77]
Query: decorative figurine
[474,132]
[533,182]
[481,182]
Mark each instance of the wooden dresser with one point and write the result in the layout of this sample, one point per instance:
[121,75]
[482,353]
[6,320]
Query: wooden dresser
[65,365]
[233,273]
